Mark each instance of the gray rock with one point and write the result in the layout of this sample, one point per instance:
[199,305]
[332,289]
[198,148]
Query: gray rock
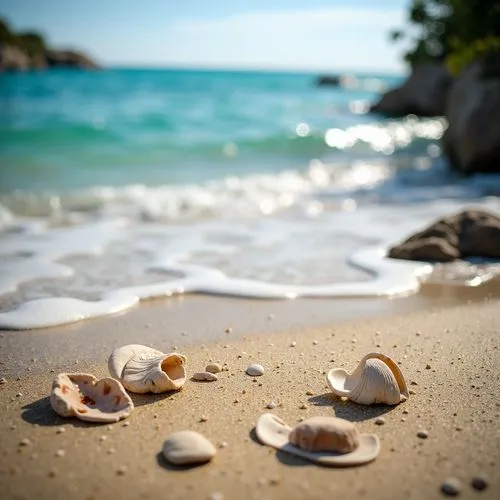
[472,140]
[423,94]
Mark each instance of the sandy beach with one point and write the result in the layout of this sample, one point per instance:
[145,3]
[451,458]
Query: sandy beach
[448,353]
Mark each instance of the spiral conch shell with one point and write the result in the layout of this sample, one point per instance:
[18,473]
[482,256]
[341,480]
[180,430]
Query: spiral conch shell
[143,369]
[328,441]
[82,395]
[377,379]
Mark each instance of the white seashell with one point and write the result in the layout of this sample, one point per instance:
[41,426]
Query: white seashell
[213,368]
[377,379]
[326,440]
[204,377]
[142,369]
[83,396]
[188,447]
[255,370]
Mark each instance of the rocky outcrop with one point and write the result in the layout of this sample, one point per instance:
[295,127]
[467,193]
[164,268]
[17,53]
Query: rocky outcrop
[423,94]
[471,233]
[12,58]
[328,80]
[69,59]
[472,140]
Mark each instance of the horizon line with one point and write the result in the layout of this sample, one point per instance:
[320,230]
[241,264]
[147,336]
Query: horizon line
[266,69]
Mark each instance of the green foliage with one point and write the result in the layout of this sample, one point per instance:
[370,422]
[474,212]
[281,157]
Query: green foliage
[31,43]
[457,31]
[485,49]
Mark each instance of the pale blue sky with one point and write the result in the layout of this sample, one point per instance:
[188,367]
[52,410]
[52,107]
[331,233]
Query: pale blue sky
[307,34]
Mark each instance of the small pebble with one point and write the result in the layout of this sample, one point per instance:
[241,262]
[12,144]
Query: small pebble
[102,438]
[24,442]
[255,370]
[216,495]
[412,392]
[111,451]
[427,367]
[204,377]
[61,430]
[213,368]
[122,470]
[405,412]
[271,405]
[223,444]
[52,473]
[315,342]
[228,329]
[479,482]
[380,421]
[19,394]
[203,418]
[423,434]
[309,393]
[353,341]
[303,406]
[451,487]
[126,424]
[188,447]
[3,380]
[60,453]
[293,344]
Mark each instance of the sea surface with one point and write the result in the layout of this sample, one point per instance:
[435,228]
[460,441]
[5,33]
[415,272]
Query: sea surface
[126,184]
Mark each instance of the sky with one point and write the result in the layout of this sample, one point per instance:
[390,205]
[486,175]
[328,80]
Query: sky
[268,34]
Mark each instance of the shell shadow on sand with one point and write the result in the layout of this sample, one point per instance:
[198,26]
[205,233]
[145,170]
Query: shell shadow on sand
[40,412]
[284,457]
[349,410]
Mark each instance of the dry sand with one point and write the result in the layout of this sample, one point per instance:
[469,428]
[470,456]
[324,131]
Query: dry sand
[457,401]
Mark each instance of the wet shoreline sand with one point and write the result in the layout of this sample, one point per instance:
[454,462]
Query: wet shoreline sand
[456,401]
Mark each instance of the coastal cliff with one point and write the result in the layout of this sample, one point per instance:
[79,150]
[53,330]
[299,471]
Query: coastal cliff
[29,51]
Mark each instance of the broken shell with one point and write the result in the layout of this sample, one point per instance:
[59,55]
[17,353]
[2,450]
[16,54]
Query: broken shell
[326,440]
[188,447]
[377,379]
[204,377]
[83,396]
[142,369]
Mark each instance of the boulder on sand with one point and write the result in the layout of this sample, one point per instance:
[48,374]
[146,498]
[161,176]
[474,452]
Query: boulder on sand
[471,233]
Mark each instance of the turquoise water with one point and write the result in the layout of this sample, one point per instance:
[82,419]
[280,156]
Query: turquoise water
[114,183]
[70,129]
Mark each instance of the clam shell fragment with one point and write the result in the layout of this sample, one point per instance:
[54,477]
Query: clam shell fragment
[377,379]
[327,441]
[142,369]
[82,395]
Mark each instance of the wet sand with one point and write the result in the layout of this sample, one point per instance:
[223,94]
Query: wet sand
[457,401]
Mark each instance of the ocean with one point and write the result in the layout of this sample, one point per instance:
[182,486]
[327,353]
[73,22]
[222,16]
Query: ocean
[127,184]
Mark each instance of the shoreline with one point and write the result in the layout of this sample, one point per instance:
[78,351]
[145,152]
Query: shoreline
[456,401]
[195,320]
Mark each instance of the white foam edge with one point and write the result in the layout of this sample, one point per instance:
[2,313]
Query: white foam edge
[391,278]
